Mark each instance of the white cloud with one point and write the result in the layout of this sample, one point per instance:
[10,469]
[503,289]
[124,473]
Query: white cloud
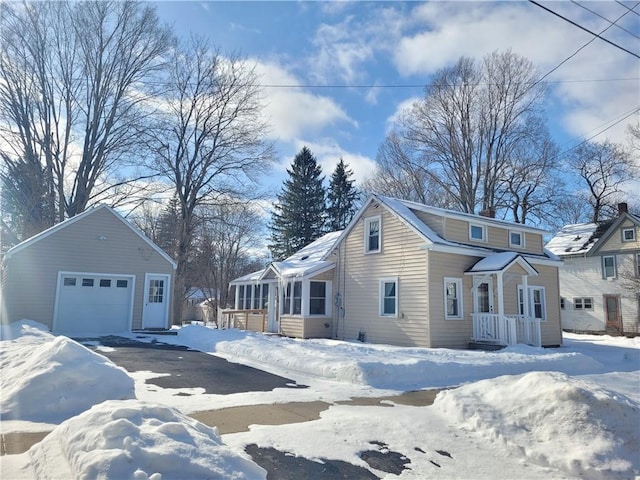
[291,110]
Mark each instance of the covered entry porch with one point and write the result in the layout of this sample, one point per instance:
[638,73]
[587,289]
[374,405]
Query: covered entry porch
[506,309]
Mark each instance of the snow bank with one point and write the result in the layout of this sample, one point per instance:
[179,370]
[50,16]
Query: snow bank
[138,440]
[553,420]
[381,366]
[44,378]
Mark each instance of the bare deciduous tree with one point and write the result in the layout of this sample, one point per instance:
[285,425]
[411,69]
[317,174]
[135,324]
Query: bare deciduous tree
[604,168]
[74,93]
[210,143]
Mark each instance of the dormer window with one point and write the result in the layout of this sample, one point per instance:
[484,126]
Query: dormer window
[516,239]
[477,233]
[628,234]
[372,235]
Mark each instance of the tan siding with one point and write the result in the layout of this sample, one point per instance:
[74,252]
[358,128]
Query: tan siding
[457,230]
[548,277]
[317,327]
[434,222]
[76,248]
[291,326]
[358,285]
[449,333]
[326,276]
[615,244]
[534,243]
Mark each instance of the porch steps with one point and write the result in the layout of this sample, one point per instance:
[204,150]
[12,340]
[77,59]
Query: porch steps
[488,347]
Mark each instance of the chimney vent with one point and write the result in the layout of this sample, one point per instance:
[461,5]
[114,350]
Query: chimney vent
[622,208]
[489,212]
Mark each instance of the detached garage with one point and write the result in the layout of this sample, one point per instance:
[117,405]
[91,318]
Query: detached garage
[92,274]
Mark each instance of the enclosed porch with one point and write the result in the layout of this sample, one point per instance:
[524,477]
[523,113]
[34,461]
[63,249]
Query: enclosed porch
[506,309]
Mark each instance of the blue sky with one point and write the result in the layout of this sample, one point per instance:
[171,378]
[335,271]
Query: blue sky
[345,56]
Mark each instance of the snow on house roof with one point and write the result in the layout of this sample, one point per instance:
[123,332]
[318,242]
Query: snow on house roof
[403,209]
[249,277]
[573,239]
[500,262]
[310,259]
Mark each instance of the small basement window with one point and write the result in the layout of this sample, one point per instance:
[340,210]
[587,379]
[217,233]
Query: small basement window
[105,282]
[69,282]
[87,282]
[122,283]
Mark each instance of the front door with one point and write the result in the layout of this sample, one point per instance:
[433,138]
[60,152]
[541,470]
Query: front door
[156,301]
[483,297]
[612,314]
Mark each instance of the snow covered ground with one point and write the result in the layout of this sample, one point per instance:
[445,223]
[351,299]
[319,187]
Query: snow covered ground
[571,412]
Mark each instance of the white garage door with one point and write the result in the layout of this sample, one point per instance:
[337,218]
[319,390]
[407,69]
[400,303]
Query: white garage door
[90,304]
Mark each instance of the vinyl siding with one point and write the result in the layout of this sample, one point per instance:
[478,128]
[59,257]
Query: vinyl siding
[357,282]
[434,222]
[291,326]
[32,272]
[615,244]
[582,277]
[451,333]
[317,327]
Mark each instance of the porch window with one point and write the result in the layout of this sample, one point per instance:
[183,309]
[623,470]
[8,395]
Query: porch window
[609,266]
[389,297]
[537,303]
[583,303]
[453,298]
[372,235]
[240,297]
[292,302]
[247,298]
[317,298]
[256,297]
[265,295]
[516,239]
[477,233]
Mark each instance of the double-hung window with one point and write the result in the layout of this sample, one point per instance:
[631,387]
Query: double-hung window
[389,297]
[292,302]
[583,303]
[536,302]
[372,234]
[317,298]
[609,266]
[453,298]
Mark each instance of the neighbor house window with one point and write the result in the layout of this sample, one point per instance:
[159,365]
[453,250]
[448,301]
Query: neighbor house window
[563,303]
[389,297]
[628,234]
[609,266]
[583,303]
[372,235]
[87,282]
[477,233]
[516,239]
[537,302]
[453,298]
[105,282]
[317,298]
[69,282]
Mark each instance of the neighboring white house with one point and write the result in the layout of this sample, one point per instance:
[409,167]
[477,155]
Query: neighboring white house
[94,273]
[408,274]
[600,278]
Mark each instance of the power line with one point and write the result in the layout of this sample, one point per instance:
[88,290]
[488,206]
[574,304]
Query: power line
[604,18]
[586,29]
[630,9]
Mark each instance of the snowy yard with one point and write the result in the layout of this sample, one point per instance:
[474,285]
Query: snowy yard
[571,412]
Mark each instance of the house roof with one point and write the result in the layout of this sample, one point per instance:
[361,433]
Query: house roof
[70,221]
[310,260]
[499,262]
[586,238]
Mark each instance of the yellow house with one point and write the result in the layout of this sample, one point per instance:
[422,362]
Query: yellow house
[408,274]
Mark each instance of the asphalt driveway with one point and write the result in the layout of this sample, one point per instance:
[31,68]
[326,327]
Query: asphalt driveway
[187,368]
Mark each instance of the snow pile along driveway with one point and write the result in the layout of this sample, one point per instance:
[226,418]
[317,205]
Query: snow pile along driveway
[553,420]
[380,366]
[44,378]
[138,440]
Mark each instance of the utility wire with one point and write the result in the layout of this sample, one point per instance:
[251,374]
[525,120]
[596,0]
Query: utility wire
[606,19]
[586,29]
[631,10]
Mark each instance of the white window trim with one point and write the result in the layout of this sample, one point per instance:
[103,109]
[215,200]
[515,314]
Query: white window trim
[615,267]
[306,294]
[522,242]
[381,283]
[367,222]
[459,291]
[626,229]
[530,300]
[582,303]
[484,233]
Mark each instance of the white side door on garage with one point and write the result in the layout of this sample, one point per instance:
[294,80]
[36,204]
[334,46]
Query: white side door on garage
[93,303]
[155,310]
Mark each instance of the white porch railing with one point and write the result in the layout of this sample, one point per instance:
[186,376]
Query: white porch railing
[505,329]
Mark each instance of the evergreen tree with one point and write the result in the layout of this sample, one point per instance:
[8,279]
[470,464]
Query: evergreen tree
[299,214]
[342,197]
